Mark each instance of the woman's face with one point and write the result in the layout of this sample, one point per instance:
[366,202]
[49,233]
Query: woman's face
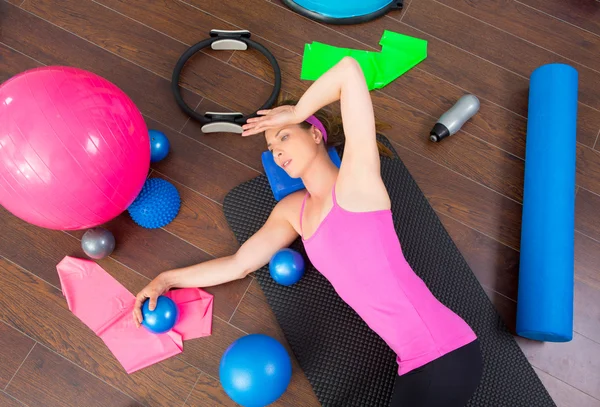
[294,147]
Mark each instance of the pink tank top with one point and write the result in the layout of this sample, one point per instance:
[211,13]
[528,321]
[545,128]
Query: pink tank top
[360,254]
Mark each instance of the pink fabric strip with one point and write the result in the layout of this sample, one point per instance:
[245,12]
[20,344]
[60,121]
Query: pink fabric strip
[105,306]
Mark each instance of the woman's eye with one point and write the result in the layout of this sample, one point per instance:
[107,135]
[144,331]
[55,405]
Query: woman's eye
[284,137]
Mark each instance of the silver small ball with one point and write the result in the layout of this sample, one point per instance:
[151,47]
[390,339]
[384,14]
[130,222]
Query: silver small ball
[98,243]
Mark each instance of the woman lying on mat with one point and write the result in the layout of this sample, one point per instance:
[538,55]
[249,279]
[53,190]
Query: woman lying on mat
[345,221]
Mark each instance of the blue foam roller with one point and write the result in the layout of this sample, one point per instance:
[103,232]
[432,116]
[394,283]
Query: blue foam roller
[545,296]
[281,183]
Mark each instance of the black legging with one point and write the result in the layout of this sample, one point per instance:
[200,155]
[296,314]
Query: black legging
[448,381]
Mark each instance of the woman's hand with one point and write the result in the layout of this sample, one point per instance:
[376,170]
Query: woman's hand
[155,288]
[271,118]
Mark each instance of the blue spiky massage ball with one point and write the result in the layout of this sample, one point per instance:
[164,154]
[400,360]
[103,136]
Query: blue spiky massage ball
[157,204]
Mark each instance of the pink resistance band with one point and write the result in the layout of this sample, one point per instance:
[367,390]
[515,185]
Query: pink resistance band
[317,123]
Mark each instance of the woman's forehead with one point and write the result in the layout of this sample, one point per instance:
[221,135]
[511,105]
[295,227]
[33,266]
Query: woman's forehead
[270,134]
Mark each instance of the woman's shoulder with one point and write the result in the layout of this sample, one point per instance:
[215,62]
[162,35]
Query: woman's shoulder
[293,201]
[291,205]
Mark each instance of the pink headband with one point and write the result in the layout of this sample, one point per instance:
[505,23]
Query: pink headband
[317,123]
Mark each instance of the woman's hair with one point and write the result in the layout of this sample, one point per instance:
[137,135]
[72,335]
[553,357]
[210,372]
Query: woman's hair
[335,129]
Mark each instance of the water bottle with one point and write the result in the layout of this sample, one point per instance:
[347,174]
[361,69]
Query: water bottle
[455,117]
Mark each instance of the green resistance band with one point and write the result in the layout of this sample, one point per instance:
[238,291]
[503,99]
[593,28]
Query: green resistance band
[398,54]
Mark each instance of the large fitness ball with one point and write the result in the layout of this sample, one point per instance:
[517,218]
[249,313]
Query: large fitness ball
[255,370]
[74,149]
[286,267]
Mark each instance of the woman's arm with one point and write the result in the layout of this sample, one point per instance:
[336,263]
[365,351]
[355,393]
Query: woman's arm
[359,186]
[257,251]
[345,82]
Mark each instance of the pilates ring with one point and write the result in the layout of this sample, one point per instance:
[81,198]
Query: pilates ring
[238,40]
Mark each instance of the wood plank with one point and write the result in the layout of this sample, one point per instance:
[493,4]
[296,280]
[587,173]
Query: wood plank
[53,46]
[247,150]
[467,202]
[495,265]
[563,394]
[199,167]
[202,223]
[289,62]
[488,165]
[205,353]
[49,377]
[35,249]
[13,62]
[576,362]
[53,325]
[493,123]
[587,258]
[204,75]
[178,20]
[14,348]
[9,401]
[149,251]
[588,168]
[587,287]
[410,128]
[208,392]
[254,14]
[255,315]
[587,215]
[466,72]
[582,13]
[534,26]
[586,320]
[492,44]
[506,308]
[112,32]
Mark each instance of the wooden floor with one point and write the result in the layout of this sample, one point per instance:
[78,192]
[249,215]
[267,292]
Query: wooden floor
[474,180]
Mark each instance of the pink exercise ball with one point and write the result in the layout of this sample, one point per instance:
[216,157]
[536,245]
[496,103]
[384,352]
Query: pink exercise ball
[74,148]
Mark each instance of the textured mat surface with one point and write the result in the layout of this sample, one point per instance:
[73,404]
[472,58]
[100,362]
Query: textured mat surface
[347,363]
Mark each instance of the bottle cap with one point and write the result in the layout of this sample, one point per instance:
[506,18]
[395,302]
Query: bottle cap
[438,132]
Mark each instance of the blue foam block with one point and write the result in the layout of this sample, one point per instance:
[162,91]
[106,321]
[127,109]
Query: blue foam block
[281,183]
[545,297]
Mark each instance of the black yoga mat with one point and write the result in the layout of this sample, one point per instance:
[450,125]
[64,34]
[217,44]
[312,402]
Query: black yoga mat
[345,361]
